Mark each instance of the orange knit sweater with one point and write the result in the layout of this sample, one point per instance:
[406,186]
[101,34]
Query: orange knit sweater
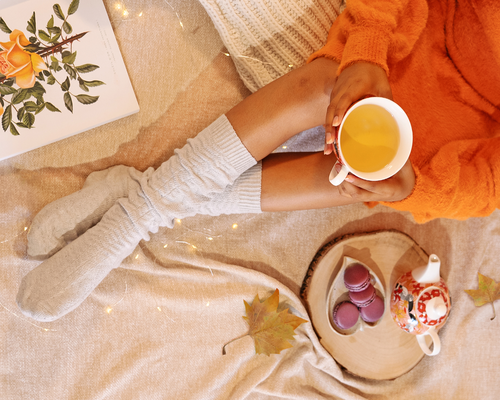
[443,62]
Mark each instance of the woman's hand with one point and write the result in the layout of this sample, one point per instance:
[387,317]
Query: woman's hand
[354,83]
[396,188]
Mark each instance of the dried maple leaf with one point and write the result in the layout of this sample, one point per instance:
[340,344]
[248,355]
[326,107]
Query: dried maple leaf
[271,330]
[488,292]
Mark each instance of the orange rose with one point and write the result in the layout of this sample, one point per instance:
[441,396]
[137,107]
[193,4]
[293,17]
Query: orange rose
[19,63]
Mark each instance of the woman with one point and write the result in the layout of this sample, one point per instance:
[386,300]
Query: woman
[419,52]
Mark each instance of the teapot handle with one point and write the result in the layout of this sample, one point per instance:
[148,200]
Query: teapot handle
[435,338]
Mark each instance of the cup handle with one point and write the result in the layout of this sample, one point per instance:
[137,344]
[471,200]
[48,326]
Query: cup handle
[337,178]
[435,338]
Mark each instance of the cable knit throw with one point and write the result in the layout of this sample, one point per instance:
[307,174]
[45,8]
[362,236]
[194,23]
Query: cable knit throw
[268,38]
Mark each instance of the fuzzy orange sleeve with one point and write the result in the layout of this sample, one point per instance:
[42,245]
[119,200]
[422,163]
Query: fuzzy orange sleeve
[378,31]
[462,180]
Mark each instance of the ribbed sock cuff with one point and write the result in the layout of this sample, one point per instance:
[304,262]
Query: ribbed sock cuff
[229,145]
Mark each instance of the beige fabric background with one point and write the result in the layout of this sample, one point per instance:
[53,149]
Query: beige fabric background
[135,351]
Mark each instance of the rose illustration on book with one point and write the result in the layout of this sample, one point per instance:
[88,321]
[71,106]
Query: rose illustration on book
[45,58]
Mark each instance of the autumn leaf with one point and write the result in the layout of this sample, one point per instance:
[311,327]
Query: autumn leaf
[488,292]
[270,330]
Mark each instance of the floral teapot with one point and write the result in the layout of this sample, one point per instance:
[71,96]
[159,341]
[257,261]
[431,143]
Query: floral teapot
[420,303]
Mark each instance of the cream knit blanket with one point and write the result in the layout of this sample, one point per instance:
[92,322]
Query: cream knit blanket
[268,38]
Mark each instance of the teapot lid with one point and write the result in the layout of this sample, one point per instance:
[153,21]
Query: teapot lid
[432,306]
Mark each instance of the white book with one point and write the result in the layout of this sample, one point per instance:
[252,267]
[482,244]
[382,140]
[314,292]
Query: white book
[61,72]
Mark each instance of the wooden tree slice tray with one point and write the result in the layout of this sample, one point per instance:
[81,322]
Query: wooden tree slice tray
[382,352]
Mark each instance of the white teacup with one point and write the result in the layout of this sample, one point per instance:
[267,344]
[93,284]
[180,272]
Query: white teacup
[402,152]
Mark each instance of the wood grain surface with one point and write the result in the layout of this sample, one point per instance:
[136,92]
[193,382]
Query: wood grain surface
[384,351]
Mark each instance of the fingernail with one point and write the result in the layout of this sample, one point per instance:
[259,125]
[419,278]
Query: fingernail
[329,139]
[335,121]
[349,179]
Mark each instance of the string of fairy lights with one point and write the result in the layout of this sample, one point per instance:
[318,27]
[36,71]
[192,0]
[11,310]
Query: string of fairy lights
[122,12]
[185,237]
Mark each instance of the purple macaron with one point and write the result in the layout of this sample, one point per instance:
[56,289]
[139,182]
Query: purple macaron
[374,311]
[345,315]
[363,298]
[356,277]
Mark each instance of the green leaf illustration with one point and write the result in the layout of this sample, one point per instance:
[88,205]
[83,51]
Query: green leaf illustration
[68,102]
[32,48]
[70,70]
[28,120]
[4,27]
[43,35]
[20,96]
[6,117]
[86,99]
[66,84]
[40,108]
[67,27]
[93,83]
[82,85]
[51,80]
[32,24]
[58,11]
[37,88]
[50,24]
[54,30]
[73,7]
[4,89]
[52,107]
[55,38]
[83,69]
[69,59]
[20,113]
[13,130]
[30,106]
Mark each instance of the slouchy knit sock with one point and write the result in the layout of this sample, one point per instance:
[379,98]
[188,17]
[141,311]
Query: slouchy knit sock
[202,177]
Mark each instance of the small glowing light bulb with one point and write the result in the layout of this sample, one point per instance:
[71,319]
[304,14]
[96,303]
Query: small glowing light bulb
[284,147]
[290,65]
[137,256]
[226,54]
[25,228]
[108,310]
[125,13]
[210,238]
[159,309]
[182,26]
[46,330]
[178,220]
[118,6]
[165,246]
[193,246]
[235,226]
[208,304]
[140,14]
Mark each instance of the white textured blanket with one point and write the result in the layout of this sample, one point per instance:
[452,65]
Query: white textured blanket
[154,329]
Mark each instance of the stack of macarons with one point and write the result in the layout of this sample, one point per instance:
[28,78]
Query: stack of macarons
[364,301]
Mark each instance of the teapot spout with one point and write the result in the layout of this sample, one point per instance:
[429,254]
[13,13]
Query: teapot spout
[428,273]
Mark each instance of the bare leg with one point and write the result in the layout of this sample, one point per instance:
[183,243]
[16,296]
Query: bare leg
[299,181]
[293,103]
[266,119]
